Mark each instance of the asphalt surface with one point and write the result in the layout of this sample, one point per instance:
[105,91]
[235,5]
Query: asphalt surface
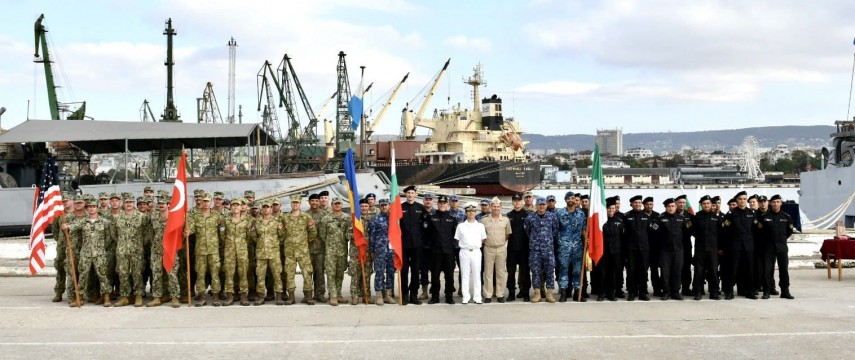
[819,323]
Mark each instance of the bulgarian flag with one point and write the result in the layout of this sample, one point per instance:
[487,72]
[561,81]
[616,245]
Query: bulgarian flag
[689,208]
[395,215]
[597,212]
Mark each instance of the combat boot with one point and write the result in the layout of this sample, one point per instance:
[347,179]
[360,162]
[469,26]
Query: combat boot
[165,298]
[562,295]
[73,303]
[354,300]
[341,299]
[175,302]
[138,301]
[122,301]
[98,301]
[434,299]
[321,298]
[106,300]
[305,298]
[259,299]
[184,299]
[785,294]
[201,299]
[387,298]
[424,295]
[279,300]
[216,301]
[57,297]
[230,299]
[333,301]
[308,295]
[536,297]
[292,299]
[549,297]
[243,299]
[379,299]
[154,302]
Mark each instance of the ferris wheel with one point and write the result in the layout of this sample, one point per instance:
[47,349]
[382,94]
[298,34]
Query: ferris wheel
[751,158]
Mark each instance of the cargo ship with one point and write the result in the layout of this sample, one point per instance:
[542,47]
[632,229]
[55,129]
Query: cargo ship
[474,148]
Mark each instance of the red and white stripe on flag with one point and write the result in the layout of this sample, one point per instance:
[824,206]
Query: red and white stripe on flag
[46,211]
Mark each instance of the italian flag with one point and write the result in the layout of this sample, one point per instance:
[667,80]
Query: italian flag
[597,212]
[395,215]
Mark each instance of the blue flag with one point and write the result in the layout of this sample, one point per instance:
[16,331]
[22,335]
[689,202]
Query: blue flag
[355,108]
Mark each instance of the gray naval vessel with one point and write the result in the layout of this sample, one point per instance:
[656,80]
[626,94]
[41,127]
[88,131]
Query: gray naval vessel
[826,195]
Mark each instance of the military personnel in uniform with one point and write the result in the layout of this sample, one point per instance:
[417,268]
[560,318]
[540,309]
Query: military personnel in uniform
[207,226]
[61,247]
[96,234]
[636,249]
[705,226]
[382,254]
[571,237]
[738,238]
[316,248]
[115,210]
[498,229]
[550,203]
[354,267]
[426,261]
[686,271]
[485,210]
[337,230]
[413,223]
[324,197]
[607,267]
[456,212]
[518,251]
[371,199]
[441,234]
[78,214]
[542,229]
[655,274]
[669,228]
[160,279]
[775,227]
[266,232]
[299,228]
[235,253]
[528,199]
[129,227]
[104,202]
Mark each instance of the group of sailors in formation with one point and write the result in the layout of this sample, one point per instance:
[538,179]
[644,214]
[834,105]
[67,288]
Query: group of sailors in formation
[248,251]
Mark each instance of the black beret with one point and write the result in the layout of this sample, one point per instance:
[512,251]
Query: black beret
[314,197]
[681,197]
[442,198]
[611,202]
[741,193]
[408,188]
[371,196]
[753,196]
[617,197]
[775,197]
[584,197]
[363,201]
[634,198]
[324,193]
[648,199]
[705,198]
[715,198]
[762,198]
[732,201]
[668,201]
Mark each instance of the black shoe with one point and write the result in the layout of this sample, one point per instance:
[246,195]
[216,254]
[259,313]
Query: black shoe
[449,300]
[677,296]
[687,292]
[585,295]
[786,295]
[415,300]
[612,298]
[487,300]
[521,293]
[404,300]
[619,294]
[698,296]
[657,293]
[501,300]
[751,296]
[526,298]
[511,297]
[714,296]
[562,295]
[644,297]
[766,295]
[600,297]
[576,296]
[630,297]
[728,296]
[434,300]
[665,297]
[774,292]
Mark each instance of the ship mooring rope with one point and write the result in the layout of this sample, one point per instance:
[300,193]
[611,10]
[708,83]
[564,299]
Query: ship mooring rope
[827,220]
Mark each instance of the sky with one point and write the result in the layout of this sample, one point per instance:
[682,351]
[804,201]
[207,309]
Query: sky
[561,67]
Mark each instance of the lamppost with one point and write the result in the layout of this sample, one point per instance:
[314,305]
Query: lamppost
[2,110]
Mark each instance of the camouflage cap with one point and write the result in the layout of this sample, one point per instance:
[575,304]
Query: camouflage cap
[148,188]
[92,202]
[256,204]
[163,199]
[103,196]
[89,196]
[337,200]
[148,198]
[383,201]
[127,197]
[296,198]
[162,193]
[239,201]
[115,196]
[219,195]
[141,199]
[206,196]
[249,193]
[127,194]
[267,203]
[67,195]
[79,198]
[276,201]
[198,193]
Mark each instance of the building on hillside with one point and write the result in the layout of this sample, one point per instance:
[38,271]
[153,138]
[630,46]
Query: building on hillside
[710,175]
[639,153]
[610,141]
[628,176]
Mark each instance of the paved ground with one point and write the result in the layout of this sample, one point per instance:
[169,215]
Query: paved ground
[819,323]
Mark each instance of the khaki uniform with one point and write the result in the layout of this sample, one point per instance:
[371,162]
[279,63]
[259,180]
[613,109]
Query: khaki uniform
[496,254]
[267,253]
[298,230]
[235,253]
[316,252]
[207,251]
[337,231]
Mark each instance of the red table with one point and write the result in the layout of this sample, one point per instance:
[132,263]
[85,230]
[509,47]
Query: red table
[838,249]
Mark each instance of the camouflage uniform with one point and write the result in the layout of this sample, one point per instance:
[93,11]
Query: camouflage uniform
[159,276]
[337,231]
[298,230]
[61,254]
[235,253]
[542,230]
[354,268]
[129,252]
[207,253]
[97,235]
[316,252]
[570,246]
[381,251]
[74,237]
[267,253]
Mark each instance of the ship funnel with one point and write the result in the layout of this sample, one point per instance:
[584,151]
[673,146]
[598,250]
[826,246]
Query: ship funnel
[491,113]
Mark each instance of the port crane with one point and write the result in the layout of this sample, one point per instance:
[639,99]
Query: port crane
[410,121]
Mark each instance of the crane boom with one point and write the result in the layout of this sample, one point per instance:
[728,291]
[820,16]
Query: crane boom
[386,106]
[327,104]
[41,39]
[433,88]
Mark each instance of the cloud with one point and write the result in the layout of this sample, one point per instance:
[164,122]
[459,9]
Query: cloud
[472,44]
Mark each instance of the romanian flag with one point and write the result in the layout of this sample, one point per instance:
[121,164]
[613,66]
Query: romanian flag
[395,215]
[597,213]
[353,198]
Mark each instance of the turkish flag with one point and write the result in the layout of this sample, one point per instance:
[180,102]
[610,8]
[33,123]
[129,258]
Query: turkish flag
[173,235]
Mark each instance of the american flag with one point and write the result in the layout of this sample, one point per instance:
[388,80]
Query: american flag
[48,206]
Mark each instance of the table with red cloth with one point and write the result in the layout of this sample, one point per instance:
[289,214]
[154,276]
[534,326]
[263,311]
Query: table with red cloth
[839,248]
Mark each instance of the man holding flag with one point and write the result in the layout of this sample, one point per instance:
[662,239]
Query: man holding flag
[395,215]
[383,254]
[356,231]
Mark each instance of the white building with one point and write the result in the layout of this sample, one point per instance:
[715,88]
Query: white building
[610,141]
[639,153]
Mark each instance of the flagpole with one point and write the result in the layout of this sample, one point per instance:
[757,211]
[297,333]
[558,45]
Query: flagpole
[400,289]
[186,240]
[71,259]
[584,263]
[366,294]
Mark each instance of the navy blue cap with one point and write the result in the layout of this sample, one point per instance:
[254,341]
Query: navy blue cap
[485,202]
[452,198]
[568,195]
[383,201]
[550,197]
[428,196]
[540,201]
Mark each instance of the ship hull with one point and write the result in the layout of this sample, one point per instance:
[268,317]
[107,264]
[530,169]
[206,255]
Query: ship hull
[487,178]
[823,191]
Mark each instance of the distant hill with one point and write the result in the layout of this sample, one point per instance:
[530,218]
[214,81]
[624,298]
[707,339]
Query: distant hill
[767,137]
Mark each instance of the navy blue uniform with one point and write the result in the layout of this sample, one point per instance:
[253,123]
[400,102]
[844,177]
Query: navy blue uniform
[542,233]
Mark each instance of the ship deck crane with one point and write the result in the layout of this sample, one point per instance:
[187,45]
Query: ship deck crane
[411,121]
[377,119]
[55,106]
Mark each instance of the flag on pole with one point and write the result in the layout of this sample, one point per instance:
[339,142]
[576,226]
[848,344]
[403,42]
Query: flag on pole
[353,198]
[689,208]
[395,215]
[597,212]
[355,106]
[48,206]
[173,234]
